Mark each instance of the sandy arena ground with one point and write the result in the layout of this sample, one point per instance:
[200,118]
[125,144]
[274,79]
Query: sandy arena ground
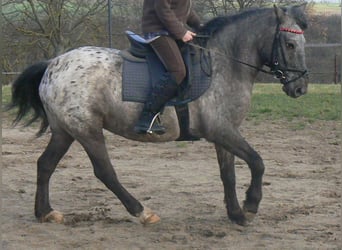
[301,207]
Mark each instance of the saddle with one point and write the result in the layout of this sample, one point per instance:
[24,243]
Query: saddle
[142,69]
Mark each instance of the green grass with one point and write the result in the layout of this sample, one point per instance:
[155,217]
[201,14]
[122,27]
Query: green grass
[327,8]
[6,98]
[6,94]
[269,102]
[322,102]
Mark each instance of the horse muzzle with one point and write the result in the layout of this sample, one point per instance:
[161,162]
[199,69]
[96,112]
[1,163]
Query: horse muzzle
[296,88]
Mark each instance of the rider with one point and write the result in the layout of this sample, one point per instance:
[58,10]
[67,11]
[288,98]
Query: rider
[165,20]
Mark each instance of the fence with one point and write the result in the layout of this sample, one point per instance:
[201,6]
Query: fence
[323,62]
[8,77]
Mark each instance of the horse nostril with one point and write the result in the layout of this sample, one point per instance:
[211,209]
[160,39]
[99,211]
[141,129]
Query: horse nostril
[299,92]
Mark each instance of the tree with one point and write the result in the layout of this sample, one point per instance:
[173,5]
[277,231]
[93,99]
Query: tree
[213,8]
[52,26]
[126,16]
[35,30]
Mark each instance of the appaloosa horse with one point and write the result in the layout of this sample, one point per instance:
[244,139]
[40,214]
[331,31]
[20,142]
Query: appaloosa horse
[79,93]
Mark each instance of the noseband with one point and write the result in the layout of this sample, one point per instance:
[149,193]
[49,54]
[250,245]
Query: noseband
[280,72]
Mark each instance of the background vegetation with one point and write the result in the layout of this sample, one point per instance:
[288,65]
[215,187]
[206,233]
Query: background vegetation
[323,102]
[34,30]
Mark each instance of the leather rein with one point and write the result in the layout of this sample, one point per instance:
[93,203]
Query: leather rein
[274,67]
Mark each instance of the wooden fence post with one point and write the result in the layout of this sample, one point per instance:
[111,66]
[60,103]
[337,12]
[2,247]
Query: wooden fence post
[335,70]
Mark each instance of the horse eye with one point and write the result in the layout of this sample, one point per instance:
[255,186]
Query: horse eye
[290,45]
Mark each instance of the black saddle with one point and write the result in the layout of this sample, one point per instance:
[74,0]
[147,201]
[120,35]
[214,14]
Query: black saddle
[142,69]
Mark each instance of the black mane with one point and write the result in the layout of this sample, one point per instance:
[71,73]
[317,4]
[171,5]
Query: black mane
[218,23]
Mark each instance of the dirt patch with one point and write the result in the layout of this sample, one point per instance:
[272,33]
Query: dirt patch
[301,207]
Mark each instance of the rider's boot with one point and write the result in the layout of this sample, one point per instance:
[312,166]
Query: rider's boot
[183,121]
[163,91]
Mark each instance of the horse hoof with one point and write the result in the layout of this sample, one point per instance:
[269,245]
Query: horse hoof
[239,219]
[148,217]
[54,216]
[250,216]
[250,211]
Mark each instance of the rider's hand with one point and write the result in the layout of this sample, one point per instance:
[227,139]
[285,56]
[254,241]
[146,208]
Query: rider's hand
[188,36]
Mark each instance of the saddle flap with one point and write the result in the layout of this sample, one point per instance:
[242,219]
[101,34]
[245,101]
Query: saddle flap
[139,39]
[140,46]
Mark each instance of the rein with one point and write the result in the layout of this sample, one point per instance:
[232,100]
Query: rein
[274,68]
[231,58]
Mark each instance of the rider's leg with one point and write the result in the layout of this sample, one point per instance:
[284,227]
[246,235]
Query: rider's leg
[168,52]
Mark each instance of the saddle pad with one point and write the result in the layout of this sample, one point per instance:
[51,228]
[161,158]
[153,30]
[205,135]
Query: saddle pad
[137,81]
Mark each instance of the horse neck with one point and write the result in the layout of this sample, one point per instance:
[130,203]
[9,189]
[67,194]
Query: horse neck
[248,40]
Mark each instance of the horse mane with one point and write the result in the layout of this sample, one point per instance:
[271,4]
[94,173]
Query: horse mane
[218,23]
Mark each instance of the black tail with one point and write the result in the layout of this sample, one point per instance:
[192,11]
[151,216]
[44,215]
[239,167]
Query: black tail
[25,95]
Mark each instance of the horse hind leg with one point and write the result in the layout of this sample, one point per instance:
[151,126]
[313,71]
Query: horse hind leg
[59,144]
[94,145]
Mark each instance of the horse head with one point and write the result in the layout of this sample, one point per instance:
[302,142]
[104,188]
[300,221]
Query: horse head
[288,56]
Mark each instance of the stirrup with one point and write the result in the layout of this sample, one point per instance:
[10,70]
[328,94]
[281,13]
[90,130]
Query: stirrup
[149,130]
[147,125]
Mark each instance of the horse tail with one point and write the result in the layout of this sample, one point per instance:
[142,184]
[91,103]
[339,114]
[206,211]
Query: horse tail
[25,96]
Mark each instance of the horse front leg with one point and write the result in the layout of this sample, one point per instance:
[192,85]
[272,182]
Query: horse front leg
[254,192]
[232,141]
[227,172]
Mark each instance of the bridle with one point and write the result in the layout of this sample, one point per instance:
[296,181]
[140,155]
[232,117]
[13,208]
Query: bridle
[275,69]
[280,72]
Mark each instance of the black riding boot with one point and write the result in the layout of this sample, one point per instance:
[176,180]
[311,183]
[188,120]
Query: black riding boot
[183,121]
[163,91]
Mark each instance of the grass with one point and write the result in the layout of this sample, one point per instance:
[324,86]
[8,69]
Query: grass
[6,98]
[322,102]
[6,94]
[269,102]
[327,8]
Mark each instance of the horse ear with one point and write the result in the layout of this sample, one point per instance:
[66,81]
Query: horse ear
[280,13]
[301,7]
[298,13]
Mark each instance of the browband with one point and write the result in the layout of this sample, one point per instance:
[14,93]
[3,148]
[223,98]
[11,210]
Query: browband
[291,30]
